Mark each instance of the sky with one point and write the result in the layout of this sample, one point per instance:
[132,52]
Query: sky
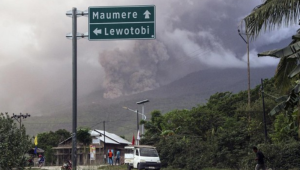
[191,35]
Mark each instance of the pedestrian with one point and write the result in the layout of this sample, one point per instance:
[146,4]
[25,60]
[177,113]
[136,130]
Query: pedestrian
[260,159]
[41,160]
[118,158]
[110,157]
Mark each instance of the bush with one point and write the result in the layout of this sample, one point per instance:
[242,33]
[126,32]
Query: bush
[280,156]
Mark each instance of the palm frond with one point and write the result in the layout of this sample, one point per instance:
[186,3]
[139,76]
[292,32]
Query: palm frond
[294,72]
[272,14]
[285,66]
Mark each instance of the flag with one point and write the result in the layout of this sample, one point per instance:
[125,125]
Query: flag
[35,143]
[35,140]
[133,140]
[138,135]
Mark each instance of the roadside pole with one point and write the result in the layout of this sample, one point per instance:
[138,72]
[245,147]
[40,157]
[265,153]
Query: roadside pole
[74,58]
[128,22]
[138,127]
[104,148]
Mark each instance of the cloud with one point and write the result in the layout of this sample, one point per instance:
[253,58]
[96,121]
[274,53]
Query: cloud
[276,36]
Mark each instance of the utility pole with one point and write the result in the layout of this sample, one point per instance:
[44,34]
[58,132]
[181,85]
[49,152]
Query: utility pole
[248,69]
[248,63]
[19,117]
[104,148]
[263,102]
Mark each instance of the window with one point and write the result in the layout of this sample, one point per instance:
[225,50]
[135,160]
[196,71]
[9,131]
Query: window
[149,152]
[128,151]
[137,152]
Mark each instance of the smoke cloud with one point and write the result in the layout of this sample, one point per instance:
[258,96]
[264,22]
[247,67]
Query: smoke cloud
[133,71]
[192,35]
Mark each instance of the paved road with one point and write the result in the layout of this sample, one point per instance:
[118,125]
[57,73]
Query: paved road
[78,167]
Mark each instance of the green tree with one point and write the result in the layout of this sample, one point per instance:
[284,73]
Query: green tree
[284,129]
[83,136]
[47,140]
[14,143]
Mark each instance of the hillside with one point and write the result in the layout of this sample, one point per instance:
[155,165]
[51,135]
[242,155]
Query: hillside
[183,93]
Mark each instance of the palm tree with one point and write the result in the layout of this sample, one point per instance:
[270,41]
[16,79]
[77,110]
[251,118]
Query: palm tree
[272,14]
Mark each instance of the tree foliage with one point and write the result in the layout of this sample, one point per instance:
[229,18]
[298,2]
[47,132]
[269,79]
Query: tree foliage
[47,140]
[84,136]
[220,133]
[14,143]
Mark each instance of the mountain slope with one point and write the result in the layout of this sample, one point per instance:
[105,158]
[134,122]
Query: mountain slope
[183,93]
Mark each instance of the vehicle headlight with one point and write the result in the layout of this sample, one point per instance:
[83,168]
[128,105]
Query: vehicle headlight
[142,160]
[158,161]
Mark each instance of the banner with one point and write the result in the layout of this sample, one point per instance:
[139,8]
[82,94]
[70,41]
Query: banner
[138,135]
[35,143]
[92,152]
[133,140]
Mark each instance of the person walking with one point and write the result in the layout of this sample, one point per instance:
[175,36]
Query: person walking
[110,157]
[260,159]
[41,160]
[118,158]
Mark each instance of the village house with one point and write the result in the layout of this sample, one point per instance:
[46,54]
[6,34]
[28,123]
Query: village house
[101,139]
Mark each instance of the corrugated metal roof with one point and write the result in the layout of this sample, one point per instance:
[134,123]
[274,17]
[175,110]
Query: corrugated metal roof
[109,137]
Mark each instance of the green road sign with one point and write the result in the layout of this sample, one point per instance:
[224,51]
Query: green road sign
[126,22]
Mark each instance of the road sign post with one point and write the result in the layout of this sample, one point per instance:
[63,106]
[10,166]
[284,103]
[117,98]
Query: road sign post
[107,23]
[125,22]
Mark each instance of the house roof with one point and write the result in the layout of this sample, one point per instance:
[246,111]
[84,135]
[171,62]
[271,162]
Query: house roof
[140,146]
[109,137]
[38,150]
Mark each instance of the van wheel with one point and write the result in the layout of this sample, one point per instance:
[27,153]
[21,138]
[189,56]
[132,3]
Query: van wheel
[128,167]
[138,166]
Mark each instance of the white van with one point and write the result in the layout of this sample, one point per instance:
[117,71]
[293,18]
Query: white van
[141,157]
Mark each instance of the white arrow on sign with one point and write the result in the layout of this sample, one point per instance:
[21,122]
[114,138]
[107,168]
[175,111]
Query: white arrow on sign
[96,31]
[147,14]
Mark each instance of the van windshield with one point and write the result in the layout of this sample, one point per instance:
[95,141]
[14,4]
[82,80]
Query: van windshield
[129,151]
[149,152]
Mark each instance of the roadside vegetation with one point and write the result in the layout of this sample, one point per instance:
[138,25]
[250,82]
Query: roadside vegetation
[222,132]
[14,143]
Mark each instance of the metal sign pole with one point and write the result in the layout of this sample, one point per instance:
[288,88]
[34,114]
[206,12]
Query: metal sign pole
[74,58]
[138,128]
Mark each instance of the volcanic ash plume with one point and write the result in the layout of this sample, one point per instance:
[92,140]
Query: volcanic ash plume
[134,70]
